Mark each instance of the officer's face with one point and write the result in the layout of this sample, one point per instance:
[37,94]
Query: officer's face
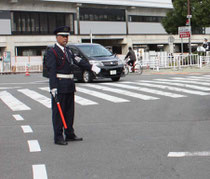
[62,39]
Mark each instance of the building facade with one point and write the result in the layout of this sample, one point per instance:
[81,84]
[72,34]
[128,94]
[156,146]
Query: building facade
[27,25]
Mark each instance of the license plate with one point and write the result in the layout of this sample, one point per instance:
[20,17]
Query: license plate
[113,72]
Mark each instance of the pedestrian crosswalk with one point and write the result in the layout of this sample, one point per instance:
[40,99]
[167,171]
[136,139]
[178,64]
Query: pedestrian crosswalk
[112,92]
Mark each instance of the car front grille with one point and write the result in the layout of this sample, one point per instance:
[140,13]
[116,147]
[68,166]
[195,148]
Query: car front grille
[110,63]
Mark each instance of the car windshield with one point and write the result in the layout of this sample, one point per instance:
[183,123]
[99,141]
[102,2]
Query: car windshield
[94,51]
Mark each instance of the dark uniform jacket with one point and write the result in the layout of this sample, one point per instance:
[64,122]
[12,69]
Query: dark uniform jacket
[63,64]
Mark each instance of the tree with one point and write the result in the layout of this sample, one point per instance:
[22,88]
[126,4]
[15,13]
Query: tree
[178,16]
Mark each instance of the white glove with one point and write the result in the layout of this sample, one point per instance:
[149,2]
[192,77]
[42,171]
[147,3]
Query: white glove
[53,92]
[95,69]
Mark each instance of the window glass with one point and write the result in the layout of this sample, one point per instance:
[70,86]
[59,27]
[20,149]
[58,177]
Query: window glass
[94,51]
[98,14]
[145,18]
[39,22]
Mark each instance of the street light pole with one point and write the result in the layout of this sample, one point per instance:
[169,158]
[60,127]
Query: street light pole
[189,16]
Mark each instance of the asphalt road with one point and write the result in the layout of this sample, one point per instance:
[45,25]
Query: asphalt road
[139,131]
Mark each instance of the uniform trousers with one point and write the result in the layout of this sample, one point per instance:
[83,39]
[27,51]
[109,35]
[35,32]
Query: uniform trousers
[67,105]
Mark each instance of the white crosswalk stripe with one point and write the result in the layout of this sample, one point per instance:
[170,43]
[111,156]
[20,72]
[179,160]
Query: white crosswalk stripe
[184,80]
[147,90]
[122,92]
[37,97]
[13,103]
[199,77]
[102,95]
[84,102]
[202,88]
[80,100]
[174,89]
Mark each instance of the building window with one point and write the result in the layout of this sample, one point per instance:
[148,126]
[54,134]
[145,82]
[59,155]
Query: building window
[25,23]
[97,14]
[145,18]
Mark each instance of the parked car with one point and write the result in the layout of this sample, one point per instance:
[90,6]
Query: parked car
[111,66]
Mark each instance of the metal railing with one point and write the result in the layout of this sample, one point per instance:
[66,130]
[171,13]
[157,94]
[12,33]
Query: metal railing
[20,64]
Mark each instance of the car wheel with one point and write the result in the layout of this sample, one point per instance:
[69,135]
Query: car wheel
[86,77]
[115,78]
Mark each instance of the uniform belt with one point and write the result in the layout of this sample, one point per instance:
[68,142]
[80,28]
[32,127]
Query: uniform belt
[68,76]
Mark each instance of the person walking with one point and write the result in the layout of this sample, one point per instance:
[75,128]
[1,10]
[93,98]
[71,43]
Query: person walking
[131,54]
[60,62]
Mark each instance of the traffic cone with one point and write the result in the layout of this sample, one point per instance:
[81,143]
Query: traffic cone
[27,72]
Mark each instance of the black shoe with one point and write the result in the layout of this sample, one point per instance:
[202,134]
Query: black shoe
[74,138]
[61,142]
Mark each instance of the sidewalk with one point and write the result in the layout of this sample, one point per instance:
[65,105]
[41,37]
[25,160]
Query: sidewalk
[187,70]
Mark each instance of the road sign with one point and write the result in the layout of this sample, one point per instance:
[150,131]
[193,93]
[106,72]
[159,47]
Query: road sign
[184,32]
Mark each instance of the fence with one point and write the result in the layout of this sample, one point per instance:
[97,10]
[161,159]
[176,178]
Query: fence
[149,60]
[164,60]
[20,64]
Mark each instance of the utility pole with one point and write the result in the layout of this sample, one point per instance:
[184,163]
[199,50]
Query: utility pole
[189,16]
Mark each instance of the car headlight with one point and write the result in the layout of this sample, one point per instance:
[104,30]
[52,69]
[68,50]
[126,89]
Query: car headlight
[120,62]
[97,63]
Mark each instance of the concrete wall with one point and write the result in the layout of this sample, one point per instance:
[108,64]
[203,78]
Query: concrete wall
[97,27]
[34,5]
[145,28]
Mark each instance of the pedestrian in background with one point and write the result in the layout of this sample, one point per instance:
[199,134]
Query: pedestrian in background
[131,54]
[206,45]
[60,63]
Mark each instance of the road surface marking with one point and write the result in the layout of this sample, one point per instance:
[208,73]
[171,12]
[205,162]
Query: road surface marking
[13,103]
[147,90]
[102,95]
[178,84]
[37,97]
[18,117]
[3,88]
[34,146]
[174,89]
[80,100]
[184,80]
[189,154]
[83,101]
[39,171]
[122,92]
[199,78]
[26,129]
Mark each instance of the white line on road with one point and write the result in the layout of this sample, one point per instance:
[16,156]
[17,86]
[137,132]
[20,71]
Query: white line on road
[175,88]
[26,129]
[34,146]
[80,100]
[37,97]
[18,117]
[13,103]
[83,101]
[147,90]
[122,92]
[3,88]
[102,95]
[39,171]
[184,80]
[189,154]
[197,87]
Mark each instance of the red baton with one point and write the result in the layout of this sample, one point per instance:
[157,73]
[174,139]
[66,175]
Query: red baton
[60,111]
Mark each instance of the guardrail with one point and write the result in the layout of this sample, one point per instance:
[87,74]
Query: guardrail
[19,64]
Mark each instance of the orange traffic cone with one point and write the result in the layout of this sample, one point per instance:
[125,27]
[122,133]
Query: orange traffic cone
[27,71]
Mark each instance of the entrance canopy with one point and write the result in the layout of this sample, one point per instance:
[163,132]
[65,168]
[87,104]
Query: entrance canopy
[131,3]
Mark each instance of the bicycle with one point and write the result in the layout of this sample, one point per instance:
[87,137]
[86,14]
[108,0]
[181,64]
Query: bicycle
[136,68]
